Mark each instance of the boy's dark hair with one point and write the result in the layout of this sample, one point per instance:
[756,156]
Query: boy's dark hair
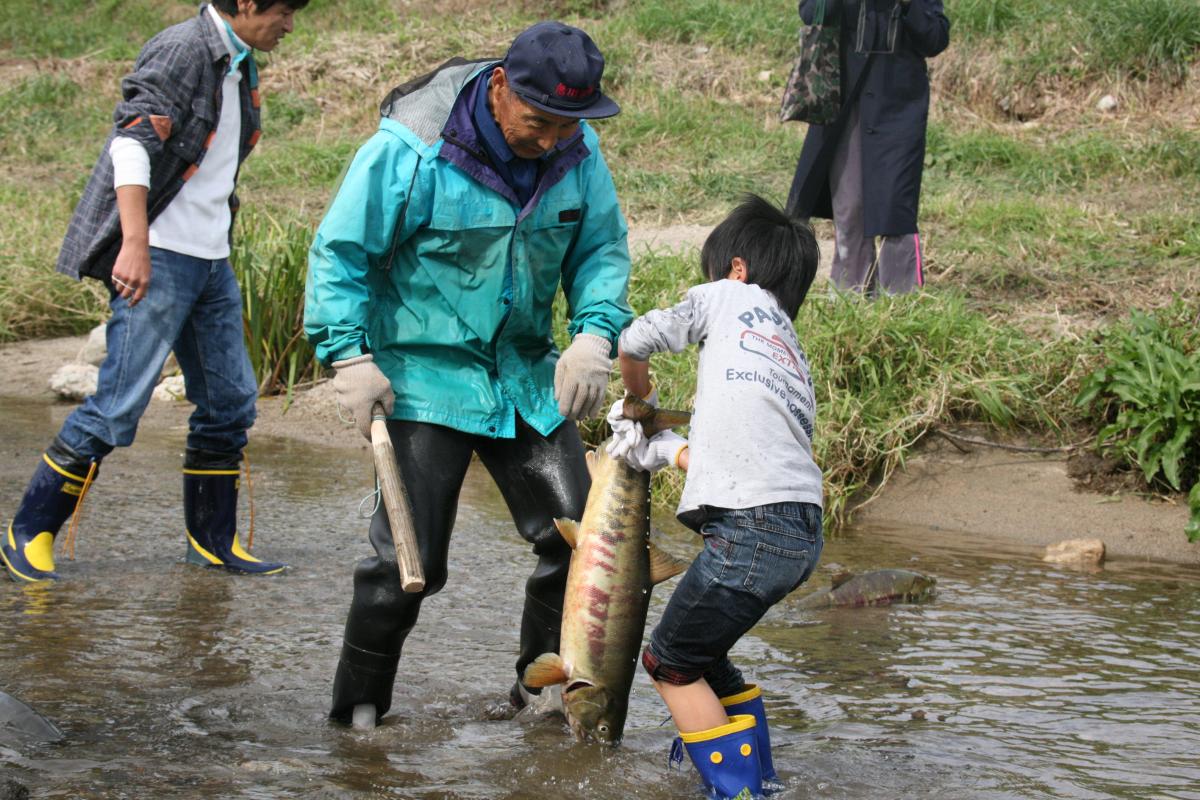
[230,6]
[780,250]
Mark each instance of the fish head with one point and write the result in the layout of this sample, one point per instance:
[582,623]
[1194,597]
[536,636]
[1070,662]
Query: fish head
[594,713]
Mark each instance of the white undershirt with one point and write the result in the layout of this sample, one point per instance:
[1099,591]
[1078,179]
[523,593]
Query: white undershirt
[196,222]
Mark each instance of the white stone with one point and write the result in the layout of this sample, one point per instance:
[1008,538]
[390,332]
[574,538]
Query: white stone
[1107,103]
[171,389]
[1075,551]
[170,366]
[95,348]
[764,76]
[75,381]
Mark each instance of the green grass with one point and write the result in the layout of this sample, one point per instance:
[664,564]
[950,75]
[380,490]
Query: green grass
[114,29]
[1082,39]
[759,24]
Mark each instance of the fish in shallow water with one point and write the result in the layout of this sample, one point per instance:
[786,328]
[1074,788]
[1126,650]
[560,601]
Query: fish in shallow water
[613,568]
[17,720]
[877,588]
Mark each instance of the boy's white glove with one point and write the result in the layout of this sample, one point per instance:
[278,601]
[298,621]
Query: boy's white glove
[581,376]
[658,451]
[360,384]
[626,434]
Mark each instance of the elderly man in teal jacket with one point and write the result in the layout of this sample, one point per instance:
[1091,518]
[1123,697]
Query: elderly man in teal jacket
[430,291]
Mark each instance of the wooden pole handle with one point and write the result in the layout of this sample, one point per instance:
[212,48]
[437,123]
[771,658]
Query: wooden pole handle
[395,501]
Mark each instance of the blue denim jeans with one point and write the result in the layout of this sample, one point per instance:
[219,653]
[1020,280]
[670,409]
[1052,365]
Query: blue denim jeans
[752,559]
[194,307]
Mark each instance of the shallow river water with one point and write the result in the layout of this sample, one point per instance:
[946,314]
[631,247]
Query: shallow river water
[1020,680]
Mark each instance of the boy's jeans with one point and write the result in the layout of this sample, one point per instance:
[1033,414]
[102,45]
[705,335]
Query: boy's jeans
[752,559]
[193,306]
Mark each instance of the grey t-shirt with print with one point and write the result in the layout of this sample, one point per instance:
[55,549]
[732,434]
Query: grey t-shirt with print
[752,424]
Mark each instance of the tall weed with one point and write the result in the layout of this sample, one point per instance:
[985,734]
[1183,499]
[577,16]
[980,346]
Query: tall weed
[270,259]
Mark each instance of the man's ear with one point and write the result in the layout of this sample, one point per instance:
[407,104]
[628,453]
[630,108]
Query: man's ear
[499,78]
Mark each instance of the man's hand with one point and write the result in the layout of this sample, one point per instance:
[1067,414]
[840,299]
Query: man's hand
[360,384]
[658,451]
[131,271]
[582,376]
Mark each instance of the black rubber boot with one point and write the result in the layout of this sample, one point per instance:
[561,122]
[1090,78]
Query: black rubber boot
[363,677]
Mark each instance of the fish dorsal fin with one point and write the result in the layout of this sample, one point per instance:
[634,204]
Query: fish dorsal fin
[841,578]
[545,670]
[568,529]
[589,458]
[663,565]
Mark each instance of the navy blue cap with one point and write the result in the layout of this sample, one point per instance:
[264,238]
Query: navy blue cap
[557,68]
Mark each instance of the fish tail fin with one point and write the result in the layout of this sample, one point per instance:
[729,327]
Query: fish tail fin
[654,420]
[665,419]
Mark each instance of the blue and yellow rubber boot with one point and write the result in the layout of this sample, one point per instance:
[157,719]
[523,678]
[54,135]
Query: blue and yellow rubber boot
[210,494]
[749,701]
[727,759]
[55,490]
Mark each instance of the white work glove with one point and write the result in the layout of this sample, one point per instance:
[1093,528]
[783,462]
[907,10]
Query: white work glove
[626,434]
[581,376]
[658,451]
[360,384]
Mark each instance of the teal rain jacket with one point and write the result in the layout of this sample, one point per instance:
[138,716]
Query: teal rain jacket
[425,259]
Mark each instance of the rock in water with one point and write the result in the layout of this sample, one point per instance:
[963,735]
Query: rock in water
[1087,552]
[16,718]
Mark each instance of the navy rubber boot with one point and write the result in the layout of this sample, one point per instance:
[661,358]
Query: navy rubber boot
[52,495]
[727,759]
[749,701]
[210,493]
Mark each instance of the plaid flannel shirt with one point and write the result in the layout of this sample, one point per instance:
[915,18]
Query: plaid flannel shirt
[171,104]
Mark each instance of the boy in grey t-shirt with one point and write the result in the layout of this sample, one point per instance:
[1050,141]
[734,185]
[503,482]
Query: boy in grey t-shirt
[752,491]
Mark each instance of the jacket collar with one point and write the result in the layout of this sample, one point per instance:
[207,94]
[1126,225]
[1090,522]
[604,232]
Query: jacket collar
[217,48]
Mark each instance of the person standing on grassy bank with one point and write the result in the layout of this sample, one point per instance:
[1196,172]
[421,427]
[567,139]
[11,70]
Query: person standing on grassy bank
[154,225]
[430,290]
[863,170]
[753,490]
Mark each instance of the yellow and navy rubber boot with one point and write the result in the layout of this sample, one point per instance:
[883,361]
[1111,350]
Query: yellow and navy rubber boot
[54,491]
[210,493]
[727,759]
[749,701]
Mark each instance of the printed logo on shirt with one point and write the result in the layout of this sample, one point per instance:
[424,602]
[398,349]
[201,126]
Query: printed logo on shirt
[799,404]
[775,350]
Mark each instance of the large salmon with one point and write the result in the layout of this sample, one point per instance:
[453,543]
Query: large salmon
[613,568]
[877,588]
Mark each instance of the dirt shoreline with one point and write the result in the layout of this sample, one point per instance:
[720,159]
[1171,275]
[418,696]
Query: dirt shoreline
[986,495]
